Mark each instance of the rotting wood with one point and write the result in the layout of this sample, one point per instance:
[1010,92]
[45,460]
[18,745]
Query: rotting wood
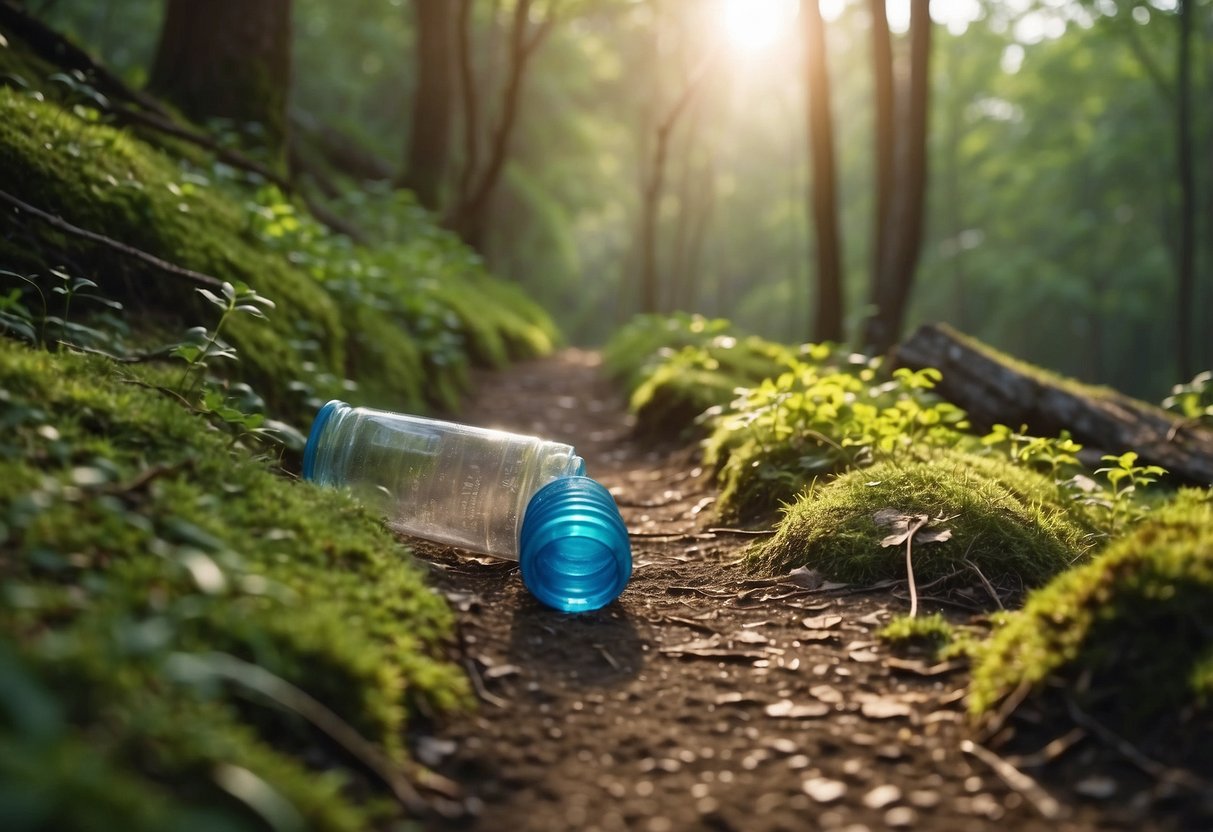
[992,390]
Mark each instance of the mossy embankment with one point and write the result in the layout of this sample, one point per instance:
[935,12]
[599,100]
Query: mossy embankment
[1135,619]
[188,638]
[179,620]
[403,316]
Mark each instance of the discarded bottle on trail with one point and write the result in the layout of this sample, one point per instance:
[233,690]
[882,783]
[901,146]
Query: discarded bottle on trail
[502,494]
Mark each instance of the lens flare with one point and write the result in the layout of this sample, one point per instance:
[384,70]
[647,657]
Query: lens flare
[754,25]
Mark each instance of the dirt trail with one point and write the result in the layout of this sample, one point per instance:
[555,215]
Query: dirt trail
[701,699]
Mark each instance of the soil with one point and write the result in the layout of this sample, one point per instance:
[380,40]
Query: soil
[707,698]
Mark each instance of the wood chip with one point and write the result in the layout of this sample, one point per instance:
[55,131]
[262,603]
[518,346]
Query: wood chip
[884,709]
[822,622]
[824,790]
[787,709]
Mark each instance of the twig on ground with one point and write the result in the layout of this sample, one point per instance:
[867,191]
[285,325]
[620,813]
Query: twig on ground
[1133,754]
[1044,803]
[478,685]
[606,654]
[122,248]
[1052,750]
[911,531]
[1013,700]
[144,477]
[751,532]
[277,690]
[986,583]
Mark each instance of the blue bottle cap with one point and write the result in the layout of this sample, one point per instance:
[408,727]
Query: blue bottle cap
[573,550]
[313,437]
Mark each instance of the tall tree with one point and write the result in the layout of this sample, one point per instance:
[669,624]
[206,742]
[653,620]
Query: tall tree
[908,201]
[227,59]
[828,317]
[1185,294]
[468,216]
[882,128]
[426,158]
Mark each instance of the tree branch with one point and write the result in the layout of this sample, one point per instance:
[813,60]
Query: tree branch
[92,236]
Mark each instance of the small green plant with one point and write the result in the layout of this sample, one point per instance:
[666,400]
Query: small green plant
[1051,455]
[1193,401]
[236,299]
[1125,477]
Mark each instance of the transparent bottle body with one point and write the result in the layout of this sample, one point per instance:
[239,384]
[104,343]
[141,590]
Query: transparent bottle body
[450,483]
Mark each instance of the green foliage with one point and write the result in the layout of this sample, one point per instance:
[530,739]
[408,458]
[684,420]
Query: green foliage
[681,367]
[406,316]
[1132,623]
[1005,521]
[164,598]
[1194,400]
[931,631]
[827,414]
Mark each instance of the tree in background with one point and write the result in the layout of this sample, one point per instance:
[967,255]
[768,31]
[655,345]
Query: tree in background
[468,215]
[653,184]
[1185,294]
[828,318]
[227,59]
[903,172]
[430,136]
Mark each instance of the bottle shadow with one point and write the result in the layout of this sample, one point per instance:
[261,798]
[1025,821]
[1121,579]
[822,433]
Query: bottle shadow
[599,649]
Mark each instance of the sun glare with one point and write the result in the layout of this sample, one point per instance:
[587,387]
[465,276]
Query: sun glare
[754,25]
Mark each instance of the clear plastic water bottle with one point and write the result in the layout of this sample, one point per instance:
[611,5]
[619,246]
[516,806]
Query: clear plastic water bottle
[503,494]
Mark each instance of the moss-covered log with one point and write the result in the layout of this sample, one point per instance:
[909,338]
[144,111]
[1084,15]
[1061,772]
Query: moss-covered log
[994,388]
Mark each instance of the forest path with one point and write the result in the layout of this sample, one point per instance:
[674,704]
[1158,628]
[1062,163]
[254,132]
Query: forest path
[701,699]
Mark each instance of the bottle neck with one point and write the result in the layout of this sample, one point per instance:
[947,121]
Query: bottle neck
[326,454]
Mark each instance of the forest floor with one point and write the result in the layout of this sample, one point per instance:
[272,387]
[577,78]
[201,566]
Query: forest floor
[702,699]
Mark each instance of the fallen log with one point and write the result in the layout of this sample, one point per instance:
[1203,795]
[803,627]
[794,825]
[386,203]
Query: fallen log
[996,389]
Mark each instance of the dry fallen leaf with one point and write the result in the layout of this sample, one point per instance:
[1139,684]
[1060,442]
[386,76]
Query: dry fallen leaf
[902,526]
[822,622]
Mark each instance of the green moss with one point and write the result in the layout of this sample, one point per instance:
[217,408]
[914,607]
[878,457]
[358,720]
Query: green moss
[932,631]
[1006,521]
[678,367]
[1133,622]
[139,551]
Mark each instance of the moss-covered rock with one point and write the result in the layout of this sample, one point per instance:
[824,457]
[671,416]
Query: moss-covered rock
[167,600]
[1009,522]
[1133,623]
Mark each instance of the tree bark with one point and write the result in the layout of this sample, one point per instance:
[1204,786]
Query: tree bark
[1186,288]
[995,389]
[828,315]
[227,59]
[883,149]
[470,216]
[885,324]
[654,186]
[425,162]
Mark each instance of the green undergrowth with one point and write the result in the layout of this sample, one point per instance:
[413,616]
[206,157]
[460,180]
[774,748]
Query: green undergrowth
[930,632]
[1006,522]
[676,369]
[1127,634]
[181,629]
[404,315]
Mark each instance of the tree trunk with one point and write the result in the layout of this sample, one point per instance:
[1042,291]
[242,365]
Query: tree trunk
[885,324]
[425,164]
[828,317]
[469,217]
[1186,288]
[996,390]
[883,149]
[227,59]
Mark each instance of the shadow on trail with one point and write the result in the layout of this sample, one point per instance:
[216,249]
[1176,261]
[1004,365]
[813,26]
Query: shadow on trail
[599,649]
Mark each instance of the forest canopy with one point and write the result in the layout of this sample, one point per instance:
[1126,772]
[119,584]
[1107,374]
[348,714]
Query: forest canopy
[1056,221]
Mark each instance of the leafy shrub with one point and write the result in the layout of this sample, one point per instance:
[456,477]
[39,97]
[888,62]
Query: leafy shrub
[825,415]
